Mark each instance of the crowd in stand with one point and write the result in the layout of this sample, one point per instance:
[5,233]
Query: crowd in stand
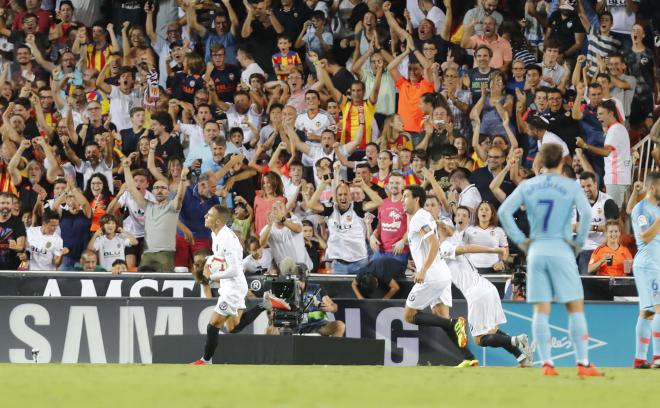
[124,122]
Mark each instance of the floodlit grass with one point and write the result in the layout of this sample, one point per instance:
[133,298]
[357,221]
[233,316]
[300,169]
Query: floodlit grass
[126,386]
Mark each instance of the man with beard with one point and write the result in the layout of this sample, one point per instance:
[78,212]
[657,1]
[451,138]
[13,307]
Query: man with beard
[244,114]
[483,176]
[357,112]
[12,238]
[92,163]
[325,149]
[502,53]
[159,44]
[160,219]
[30,187]
[347,247]
[615,150]
[603,208]
[463,192]
[483,9]
[23,70]
[203,152]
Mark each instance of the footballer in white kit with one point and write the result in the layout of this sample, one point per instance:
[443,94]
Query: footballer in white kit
[433,276]
[226,267]
[485,313]
[233,288]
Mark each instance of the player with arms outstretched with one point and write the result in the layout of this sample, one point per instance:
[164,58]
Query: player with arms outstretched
[646,227]
[552,272]
[432,277]
[485,313]
[233,286]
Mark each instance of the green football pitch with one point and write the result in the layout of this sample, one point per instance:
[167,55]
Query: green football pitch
[127,386]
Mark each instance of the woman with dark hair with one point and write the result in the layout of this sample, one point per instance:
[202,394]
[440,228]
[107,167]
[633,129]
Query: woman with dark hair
[520,49]
[97,193]
[272,190]
[485,232]
[463,158]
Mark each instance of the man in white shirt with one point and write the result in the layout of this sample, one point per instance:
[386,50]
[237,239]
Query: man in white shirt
[249,65]
[92,164]
[484,8]
[233,287]
[314,120]
[243,114]
[122,97]
[615,150]
[284,236]
[463,194]
[432,276]
[434,14]
[46,248]
[134,222]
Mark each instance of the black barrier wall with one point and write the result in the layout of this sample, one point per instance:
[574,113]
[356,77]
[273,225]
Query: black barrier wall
[102,330]
[182,285]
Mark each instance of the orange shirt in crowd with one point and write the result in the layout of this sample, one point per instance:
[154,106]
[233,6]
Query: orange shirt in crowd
[409,96]
[620,255]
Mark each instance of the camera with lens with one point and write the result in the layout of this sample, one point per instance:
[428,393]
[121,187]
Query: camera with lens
[287,286]
[519,280]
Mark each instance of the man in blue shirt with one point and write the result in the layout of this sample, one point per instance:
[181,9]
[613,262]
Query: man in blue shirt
[646,227]
[192,235]
[552,272]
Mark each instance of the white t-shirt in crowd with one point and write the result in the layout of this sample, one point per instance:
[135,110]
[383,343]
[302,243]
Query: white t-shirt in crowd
[235,119]
[316,124]
[134,223]
[87,171]
[618,165]
[284,243]
[622,19]
[110,250]
[549,137]
[470,197]
[491,237]
[258,266]
[42,249]
[120,107]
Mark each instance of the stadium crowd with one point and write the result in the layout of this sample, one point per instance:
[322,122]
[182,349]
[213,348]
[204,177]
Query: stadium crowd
[124,122]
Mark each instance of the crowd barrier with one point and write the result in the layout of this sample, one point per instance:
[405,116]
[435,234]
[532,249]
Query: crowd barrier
[101,284]
[120,330]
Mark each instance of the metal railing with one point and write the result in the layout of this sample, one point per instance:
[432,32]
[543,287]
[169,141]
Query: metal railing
[645,163]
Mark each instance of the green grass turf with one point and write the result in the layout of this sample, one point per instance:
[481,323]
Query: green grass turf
[126,386]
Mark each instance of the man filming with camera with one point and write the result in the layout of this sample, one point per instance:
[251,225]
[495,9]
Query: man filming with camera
[312,308]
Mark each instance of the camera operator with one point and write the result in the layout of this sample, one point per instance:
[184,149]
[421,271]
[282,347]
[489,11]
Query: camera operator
[314,305]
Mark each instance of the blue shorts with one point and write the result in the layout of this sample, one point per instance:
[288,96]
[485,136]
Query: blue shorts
[646,282]
[552,273]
